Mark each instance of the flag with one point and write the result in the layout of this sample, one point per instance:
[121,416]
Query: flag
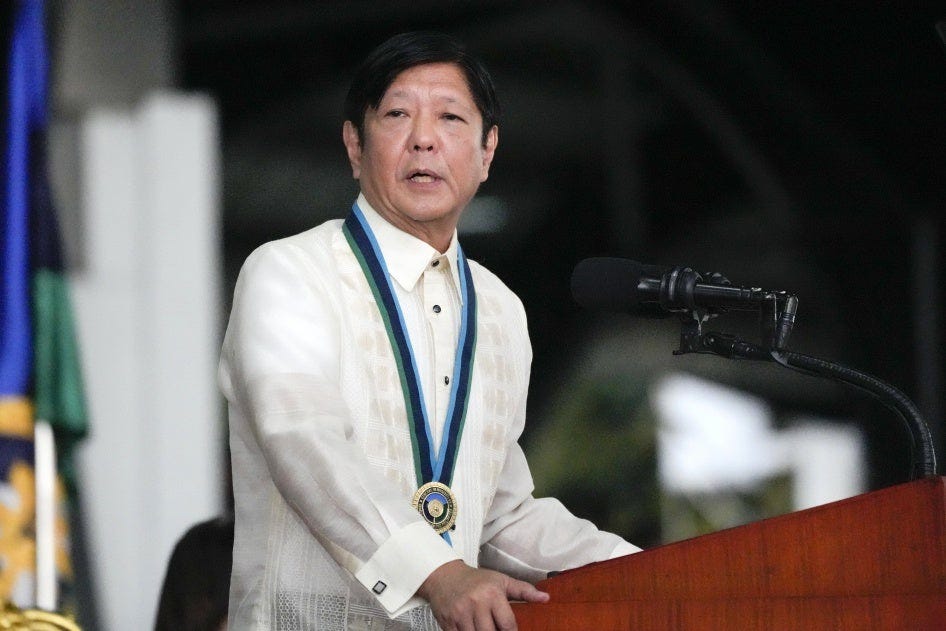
[39,374]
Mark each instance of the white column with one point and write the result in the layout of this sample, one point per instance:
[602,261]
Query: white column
[148,310]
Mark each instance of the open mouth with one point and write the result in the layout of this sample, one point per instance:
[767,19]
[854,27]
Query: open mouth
[423,177]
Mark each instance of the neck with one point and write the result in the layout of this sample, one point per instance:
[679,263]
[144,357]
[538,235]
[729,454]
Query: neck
[441,243]
[437,233]
[434,234]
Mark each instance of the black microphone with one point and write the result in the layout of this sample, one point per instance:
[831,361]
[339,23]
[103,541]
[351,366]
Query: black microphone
[614,284]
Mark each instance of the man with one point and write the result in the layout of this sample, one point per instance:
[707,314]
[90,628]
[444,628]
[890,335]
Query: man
[377,384]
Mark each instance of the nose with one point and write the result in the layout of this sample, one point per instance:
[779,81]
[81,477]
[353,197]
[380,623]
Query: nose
[423,136]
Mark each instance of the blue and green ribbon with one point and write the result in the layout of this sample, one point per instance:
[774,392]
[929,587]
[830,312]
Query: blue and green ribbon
[428,465]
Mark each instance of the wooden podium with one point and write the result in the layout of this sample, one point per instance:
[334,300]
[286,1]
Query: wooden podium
[875,561]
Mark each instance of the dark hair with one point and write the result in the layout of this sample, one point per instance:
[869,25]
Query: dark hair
[197,583]
[378,71]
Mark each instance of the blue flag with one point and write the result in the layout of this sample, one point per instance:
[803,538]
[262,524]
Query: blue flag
[39,376]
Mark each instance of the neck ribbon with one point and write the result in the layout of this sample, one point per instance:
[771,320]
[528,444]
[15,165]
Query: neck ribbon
[428,465]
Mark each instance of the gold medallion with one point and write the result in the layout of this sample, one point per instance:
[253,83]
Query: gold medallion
[437,505]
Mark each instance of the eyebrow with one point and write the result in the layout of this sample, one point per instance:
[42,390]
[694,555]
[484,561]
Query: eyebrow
[405,94]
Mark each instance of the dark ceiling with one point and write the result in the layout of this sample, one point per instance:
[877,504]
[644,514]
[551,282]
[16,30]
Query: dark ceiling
[793,146]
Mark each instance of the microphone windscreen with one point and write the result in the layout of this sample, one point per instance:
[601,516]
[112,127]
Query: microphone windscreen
[611,284]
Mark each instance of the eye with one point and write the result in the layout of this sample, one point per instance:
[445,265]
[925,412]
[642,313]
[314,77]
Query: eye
[453,117]
[395,114]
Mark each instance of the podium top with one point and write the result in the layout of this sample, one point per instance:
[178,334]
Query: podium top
[887,541]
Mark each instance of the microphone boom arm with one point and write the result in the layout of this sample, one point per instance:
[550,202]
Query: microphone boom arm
[922,453]
[622,285]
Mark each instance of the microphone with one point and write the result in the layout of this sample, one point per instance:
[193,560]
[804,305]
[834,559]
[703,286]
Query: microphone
[614,284]
[625,286]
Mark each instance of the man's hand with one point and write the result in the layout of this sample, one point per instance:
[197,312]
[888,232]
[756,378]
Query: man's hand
[466,598]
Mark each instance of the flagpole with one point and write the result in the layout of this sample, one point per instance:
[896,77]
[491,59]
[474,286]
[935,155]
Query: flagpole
[44,445]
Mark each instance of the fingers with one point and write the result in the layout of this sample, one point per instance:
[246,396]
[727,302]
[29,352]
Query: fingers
[503,616]
[520,590]
[465,598]
[483,619]
[495,615]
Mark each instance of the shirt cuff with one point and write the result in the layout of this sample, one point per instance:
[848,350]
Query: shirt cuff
[395,572]
[622,549]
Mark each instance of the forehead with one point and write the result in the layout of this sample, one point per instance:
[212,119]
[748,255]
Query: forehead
[440,80]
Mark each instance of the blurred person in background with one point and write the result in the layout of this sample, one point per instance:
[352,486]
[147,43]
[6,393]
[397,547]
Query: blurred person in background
[196,585]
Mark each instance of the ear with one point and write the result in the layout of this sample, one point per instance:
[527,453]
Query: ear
[489,150]
[353,147]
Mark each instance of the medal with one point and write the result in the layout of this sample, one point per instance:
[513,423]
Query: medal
[437,505]
[434,470]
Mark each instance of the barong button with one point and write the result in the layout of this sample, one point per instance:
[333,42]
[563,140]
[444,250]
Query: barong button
[436,308]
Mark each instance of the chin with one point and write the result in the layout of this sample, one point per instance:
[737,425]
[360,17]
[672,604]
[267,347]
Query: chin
[423,213]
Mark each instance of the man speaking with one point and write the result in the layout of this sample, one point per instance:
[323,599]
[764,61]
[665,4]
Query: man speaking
[377,380]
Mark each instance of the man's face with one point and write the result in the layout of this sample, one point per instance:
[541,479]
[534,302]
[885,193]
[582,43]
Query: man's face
[421,157]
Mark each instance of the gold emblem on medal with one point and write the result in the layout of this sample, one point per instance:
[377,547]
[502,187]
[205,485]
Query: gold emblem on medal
[437,505]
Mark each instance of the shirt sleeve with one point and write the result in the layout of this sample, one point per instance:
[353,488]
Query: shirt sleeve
[280,372]
[529,537]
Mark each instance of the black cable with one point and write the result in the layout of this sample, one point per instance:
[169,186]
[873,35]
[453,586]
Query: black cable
[922,440]
[922,453]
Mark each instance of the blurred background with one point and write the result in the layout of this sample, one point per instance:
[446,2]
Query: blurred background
[797,147]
